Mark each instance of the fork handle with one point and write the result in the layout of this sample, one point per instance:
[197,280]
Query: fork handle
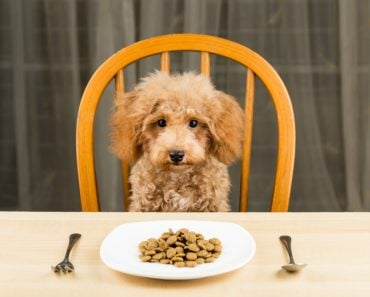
[73,238]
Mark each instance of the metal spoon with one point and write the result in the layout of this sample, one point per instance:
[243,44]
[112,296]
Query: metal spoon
[292,266]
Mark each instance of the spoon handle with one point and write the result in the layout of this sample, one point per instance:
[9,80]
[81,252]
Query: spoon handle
[287,242]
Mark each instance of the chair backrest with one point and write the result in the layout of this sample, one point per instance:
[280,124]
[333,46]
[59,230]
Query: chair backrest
[113,68]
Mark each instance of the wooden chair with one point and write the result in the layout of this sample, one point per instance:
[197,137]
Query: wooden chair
[113,68]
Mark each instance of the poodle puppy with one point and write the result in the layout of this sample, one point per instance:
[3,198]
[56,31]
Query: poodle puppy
[179,133]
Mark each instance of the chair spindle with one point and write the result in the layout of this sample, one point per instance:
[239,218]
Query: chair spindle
[165,62]
[205,63]
[247,144]
[125,169]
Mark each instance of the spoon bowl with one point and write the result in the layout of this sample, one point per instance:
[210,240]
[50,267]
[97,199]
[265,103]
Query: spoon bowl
[292,266]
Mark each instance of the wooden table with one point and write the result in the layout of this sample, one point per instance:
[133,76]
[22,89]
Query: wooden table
[336,247]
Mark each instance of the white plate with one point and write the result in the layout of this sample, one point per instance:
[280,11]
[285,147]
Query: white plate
[120,252]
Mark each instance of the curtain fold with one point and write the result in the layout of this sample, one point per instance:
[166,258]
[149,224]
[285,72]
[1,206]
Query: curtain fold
[15,157]
[348,41]
[312,181]
[112,33]
[363,13]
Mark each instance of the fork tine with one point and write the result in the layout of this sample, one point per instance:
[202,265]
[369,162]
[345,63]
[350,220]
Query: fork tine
[63,267]
[55,268]
[68,269]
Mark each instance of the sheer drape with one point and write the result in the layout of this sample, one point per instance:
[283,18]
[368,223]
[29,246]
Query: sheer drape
[50,48]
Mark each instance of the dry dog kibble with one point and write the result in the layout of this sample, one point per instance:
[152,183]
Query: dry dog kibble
[191,256]
[171,252]
[180,264]
[193,247]
[171,240]
[191,263]
[183,248]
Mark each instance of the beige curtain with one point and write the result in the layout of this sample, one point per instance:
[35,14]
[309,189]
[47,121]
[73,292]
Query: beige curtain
[320,48]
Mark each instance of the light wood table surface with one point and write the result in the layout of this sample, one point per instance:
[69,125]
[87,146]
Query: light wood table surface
[336,247]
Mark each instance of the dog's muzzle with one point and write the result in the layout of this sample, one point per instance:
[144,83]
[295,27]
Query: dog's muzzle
[176,156]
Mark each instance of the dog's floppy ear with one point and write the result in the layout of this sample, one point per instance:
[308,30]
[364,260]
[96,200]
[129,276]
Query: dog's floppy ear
[226,127]
[126,125]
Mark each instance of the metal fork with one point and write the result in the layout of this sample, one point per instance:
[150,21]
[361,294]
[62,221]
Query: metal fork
[66,266]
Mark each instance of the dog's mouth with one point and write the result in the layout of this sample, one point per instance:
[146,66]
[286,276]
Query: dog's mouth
[178,165]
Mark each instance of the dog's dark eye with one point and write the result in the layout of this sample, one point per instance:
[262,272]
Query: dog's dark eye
[193,123]
[161,123]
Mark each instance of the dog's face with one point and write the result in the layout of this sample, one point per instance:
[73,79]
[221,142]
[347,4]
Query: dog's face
[175,135]
[176,121]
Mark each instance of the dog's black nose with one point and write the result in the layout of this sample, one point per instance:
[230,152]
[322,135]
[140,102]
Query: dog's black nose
[177,156]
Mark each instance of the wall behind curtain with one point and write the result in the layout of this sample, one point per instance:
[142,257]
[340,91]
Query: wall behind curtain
[49,49]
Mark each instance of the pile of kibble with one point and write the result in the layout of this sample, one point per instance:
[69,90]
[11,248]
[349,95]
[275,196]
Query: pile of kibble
[183,248]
